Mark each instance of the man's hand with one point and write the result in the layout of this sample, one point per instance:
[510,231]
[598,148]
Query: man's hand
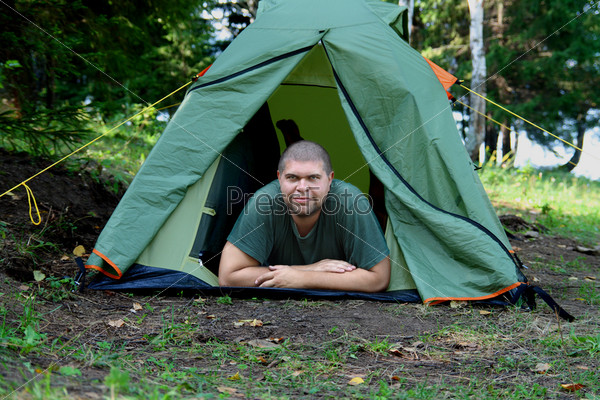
[326,265]
[282,276]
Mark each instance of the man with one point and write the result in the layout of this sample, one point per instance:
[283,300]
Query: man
[306,230]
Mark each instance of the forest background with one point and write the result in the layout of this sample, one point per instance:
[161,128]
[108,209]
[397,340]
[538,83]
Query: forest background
[70,70]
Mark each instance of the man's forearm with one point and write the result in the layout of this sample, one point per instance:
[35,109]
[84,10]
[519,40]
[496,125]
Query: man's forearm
[245,277]
[374,280]
[360,280]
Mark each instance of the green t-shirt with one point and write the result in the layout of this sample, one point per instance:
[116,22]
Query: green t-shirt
[346,230]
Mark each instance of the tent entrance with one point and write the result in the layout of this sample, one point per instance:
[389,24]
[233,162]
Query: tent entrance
[309,97]
[200,224]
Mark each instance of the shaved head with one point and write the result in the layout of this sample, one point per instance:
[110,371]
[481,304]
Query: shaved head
[305,150]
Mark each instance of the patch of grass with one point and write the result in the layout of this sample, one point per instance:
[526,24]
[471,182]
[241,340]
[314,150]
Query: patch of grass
[380,346]
[588,343]
[567,205]
[225,300]
[590,293]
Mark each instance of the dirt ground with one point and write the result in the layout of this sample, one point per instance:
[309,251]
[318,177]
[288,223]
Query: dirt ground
[74,207]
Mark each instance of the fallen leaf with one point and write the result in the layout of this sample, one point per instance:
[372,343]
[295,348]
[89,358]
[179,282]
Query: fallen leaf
[65,258]
[469,346]
[263,344]
[572,387]
[137,306]
[409,353]
[396,378]
[457,303]
[261,359]
[39,370]
[484,312]
[117,323]
[396,352]
[248,322]
[79,251]
[38,276]
[296,373]
[541,368]
[535,279]
[573,278]
[211,316]
[23,288]
[590,278]
[276,340]
[583,367]
[235,377]
[225,389]
[356,381]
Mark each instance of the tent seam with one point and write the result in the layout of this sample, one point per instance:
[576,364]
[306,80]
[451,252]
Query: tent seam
[253,67]
[397,173]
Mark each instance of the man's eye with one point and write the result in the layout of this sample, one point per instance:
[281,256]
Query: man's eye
[314,177]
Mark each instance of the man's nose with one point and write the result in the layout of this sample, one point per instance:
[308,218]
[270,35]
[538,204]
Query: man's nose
[302,185]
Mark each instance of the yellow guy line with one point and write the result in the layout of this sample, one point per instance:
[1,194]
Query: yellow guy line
[93,141]
[164,108]
[31,197]
[518,116]
[502,125]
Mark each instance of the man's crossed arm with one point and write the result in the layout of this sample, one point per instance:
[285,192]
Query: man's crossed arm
[239,269]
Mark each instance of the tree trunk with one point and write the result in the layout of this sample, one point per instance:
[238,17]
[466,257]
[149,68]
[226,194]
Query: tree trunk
[491,141]
[476,131]
[572,163]
[508,154]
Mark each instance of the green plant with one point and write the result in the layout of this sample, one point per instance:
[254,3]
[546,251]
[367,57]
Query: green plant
[225,300]
[588,343]
[590,293]
[57,289]
[43,132]
[117,381]
[381,346]
[32,247]
[3,230]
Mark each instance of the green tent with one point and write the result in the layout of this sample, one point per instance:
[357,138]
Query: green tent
[343,71]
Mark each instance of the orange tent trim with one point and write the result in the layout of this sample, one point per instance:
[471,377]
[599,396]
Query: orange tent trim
[445,77]
[97,268]
[437,300]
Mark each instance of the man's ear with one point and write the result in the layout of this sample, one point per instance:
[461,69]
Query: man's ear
[277,174]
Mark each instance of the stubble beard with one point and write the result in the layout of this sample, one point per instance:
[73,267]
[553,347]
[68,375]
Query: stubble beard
[308,209]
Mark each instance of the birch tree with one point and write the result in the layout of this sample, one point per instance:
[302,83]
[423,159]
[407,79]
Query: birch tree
[476,132]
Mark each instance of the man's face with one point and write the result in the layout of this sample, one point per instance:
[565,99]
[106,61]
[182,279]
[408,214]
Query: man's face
[304,185]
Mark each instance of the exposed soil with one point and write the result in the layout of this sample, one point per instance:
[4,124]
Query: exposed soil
[74,207]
